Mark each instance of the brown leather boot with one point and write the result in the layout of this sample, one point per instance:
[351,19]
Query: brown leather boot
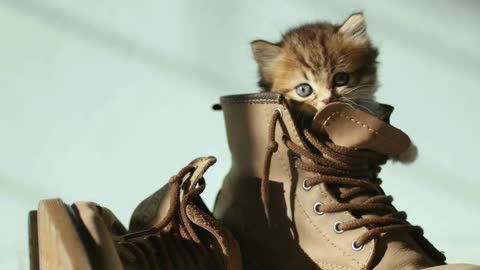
[173,229]
[310,198]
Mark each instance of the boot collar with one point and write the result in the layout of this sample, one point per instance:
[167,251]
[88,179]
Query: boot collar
[345,125]
[353,128]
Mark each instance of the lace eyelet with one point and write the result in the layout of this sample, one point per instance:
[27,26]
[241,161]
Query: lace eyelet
[279,111]
[335,227]
[316,208]
[305,186]
[354,246]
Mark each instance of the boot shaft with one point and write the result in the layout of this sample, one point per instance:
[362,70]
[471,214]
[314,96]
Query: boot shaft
[295,231]
[247,125]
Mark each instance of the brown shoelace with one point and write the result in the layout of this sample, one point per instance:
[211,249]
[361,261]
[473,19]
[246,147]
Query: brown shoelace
[353,172]
[155,248]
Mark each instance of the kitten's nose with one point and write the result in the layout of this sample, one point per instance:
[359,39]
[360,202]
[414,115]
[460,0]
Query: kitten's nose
[331,98]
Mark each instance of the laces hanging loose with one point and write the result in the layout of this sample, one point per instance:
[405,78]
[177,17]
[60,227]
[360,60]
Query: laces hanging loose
[352,172]
[136,246]
[175,186]
[272,147]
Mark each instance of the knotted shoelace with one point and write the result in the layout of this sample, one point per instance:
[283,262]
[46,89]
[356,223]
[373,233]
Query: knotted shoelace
[178,247]
[351,173]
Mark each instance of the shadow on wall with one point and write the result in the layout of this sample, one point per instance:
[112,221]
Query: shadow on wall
[117,42]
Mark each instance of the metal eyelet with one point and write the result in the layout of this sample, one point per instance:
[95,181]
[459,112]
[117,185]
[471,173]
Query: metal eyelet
[354,246]
[335,227]
[279,111]
[316,208]
[305,186]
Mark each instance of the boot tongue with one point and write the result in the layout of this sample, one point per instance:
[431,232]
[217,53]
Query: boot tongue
[353,128]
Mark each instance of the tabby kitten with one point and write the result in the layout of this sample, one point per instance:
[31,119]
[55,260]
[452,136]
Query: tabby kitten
[318,63]
[315,64]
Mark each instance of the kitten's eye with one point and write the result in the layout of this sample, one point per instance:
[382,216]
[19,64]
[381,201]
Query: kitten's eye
[304,90]
[341,79]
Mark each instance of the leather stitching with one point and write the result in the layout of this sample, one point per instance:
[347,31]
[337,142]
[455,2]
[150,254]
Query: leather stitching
[252,101]
[282,161]
[289,123]
[291,126]
[267,97]
[326,195]
[335,266]
[325,236]
[330,200]
[351,119]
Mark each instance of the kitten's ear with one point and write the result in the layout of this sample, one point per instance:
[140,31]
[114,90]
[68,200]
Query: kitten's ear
[355,28]
[264,51]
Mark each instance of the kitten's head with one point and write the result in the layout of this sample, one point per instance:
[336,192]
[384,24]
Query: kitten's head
[318,63]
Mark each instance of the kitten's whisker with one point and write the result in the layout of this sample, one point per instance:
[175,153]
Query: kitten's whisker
[367,99]
[352,102]
[361,86]
[360,93]
[363,89]
[357,88]
[350,105]
[362,96]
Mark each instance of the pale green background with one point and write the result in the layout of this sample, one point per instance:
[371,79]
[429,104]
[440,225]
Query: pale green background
[104,100]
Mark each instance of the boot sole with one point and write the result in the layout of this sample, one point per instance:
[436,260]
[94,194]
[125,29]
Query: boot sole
[54,238]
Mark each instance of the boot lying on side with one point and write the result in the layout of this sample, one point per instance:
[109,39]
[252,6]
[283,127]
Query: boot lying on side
[172,229]
[309,197]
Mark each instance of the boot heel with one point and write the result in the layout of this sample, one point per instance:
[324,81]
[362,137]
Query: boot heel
[59,244]
[33,240]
